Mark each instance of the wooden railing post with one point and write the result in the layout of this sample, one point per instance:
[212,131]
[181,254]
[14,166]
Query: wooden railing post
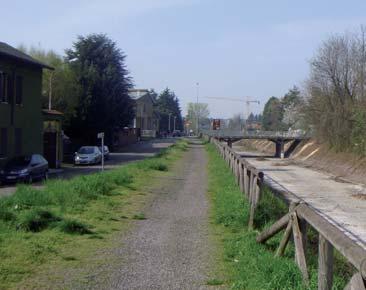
[325,264]
[253,199]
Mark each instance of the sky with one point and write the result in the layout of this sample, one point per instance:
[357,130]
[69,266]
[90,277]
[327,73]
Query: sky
[233,48]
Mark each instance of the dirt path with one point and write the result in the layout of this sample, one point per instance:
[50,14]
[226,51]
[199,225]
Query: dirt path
[171,248]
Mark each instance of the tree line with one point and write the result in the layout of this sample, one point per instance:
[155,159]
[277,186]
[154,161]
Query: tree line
[90,87]
[332,103]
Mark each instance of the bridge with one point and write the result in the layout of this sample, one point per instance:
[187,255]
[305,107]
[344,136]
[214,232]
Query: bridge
[280,138]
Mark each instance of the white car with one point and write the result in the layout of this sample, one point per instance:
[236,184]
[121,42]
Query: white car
[88,155]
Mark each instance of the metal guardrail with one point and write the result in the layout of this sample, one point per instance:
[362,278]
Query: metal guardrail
[296,134]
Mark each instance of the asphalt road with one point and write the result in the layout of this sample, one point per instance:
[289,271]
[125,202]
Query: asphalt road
[128,154]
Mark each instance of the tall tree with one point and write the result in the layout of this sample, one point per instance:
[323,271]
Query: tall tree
[273,115]
[103,104]
[200,111]
[167,105]
[292,103]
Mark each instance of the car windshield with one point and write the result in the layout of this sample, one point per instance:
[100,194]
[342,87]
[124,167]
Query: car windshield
[86,150]
[18,161]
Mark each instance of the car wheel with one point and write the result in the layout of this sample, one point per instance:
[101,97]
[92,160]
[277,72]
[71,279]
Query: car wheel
[30,179]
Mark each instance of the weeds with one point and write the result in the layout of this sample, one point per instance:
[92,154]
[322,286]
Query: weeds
[72,226]
[139,216]
[36,220]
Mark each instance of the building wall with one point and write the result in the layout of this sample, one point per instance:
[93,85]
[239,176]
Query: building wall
[28,116]
[145,113]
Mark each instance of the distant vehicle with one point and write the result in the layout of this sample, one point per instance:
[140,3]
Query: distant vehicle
[88,155]
[176,133]
[25,168]
[106,151]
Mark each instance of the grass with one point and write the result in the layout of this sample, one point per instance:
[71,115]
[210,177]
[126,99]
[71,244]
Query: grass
[139,216]
[249,265]
[64,224]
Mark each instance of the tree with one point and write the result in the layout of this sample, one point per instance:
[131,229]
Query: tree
[273,115]
[336,90]
[292,103]
[200,111]
[235,123]
[103,104]
[61,81]
[167,105]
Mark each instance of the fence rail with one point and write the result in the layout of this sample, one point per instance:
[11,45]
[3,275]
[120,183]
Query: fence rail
[296,134]
[251,182]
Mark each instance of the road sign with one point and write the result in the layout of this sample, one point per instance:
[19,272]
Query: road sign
[100,135]
[216,124]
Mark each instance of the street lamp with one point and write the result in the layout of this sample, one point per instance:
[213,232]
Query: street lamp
[197,116]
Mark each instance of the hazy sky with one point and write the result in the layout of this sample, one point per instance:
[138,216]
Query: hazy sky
[233,48]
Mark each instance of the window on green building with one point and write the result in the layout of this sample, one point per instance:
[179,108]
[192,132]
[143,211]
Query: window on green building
[3,87]
[3,142]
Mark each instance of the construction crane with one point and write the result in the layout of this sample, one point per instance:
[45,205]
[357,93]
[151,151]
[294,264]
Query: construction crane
[247,101]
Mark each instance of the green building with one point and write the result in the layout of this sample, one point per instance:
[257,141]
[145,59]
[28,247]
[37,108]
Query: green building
[21,120]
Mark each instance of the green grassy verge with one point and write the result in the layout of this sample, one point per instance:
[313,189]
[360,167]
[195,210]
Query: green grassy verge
[249,265]
[66,222]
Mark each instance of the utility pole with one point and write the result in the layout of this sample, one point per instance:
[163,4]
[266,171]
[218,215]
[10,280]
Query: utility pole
[197,115]
[175,117]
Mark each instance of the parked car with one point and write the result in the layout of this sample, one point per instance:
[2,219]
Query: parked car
[88,155]
[106,152]
[176,133]
[24,168]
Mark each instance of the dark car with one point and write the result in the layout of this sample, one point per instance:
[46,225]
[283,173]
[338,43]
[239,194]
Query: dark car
[24,168]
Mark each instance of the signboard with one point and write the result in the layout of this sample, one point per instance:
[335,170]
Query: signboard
[100,135]
[216,124]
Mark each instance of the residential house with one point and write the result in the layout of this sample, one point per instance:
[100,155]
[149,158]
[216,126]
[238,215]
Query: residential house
[146,119]
[21,122]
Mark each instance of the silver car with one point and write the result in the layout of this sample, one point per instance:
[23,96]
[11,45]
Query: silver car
[88,155]
[106,152]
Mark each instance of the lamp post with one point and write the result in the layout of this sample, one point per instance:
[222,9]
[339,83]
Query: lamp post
[197,116]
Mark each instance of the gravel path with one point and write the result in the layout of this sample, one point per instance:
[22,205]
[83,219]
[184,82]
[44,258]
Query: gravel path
[171,248]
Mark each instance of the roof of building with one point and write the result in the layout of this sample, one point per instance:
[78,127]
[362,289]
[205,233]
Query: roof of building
[51,112]
[137,94]
[9,51]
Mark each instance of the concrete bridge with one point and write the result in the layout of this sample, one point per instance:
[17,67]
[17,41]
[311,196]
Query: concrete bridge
[279,138]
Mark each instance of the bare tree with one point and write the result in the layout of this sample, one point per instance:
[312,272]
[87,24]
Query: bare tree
[336,88]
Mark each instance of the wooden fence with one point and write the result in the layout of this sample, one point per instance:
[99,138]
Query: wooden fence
[300,214]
